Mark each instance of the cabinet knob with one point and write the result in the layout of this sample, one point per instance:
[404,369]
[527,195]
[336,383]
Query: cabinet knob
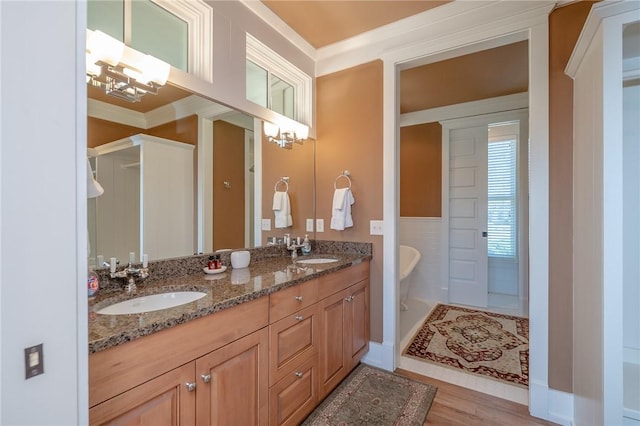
[349,299]
[191,386]
[299,298]
[299,317]
[298,374]
[206,377]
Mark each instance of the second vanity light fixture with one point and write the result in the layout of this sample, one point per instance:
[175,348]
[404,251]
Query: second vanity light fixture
[285,137]
[128,79]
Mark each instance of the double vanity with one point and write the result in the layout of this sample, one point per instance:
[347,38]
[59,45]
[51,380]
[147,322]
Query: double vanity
[263,345]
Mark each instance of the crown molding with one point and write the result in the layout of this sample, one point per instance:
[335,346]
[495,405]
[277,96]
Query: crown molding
[281,27]
[598,12]
[449,24]
[108,112]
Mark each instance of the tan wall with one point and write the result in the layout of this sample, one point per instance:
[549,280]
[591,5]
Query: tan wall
[565,25]
[494,72]
[349,137]
[100,131]
[421,170]
[297,163]
[184,130]
[228,166]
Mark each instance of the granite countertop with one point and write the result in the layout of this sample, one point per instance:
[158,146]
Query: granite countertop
[223,291]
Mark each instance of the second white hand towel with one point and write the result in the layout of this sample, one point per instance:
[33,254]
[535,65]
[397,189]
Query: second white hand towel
[282,210]
[341,209]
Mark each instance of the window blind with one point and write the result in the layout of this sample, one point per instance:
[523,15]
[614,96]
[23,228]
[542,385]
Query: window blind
[502,199]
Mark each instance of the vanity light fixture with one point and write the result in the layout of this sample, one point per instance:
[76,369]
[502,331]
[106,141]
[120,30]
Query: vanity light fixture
[128,81]
[283,137]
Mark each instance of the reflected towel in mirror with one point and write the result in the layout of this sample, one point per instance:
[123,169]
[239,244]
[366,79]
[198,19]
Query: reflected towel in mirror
[341,209]
[282,210]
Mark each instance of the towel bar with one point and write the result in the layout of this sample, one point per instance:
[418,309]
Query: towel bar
[345,175]
[285,180]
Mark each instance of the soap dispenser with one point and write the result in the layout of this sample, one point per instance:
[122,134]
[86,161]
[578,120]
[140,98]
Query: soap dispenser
[306,245]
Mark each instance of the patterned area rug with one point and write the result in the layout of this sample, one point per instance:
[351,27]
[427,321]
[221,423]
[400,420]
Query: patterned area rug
[370,396]
[479,342]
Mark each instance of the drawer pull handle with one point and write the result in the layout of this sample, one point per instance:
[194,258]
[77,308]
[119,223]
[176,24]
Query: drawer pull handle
[349,299]
[190,386]
[298,374]
[206,377]
[299,317]
[299,298]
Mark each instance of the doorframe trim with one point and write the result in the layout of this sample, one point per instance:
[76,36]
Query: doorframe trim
[461,123]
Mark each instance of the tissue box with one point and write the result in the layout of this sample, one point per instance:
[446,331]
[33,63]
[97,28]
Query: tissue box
[240,259]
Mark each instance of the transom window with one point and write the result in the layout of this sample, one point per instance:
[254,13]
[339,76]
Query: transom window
[178,32]
[276,84]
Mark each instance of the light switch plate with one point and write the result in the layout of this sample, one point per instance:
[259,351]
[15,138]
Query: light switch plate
[309,225]
[266,224]
[319,225]
[33,361]
[376,227]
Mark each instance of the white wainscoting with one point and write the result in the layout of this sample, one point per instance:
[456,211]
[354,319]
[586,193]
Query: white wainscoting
[423,233]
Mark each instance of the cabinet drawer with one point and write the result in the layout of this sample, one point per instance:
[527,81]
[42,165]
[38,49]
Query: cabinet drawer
[292,340]
[295,396]
[333,283]
[292,299]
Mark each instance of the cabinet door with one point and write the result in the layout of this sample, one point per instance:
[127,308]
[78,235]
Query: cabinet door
[295,396]
[164,400]
[233,383]
[358,321]
[333,342]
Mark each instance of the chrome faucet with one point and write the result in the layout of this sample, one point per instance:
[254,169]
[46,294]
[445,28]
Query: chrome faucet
[293,247]
[130,273]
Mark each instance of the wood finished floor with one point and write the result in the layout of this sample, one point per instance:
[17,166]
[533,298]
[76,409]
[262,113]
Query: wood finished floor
[455,405]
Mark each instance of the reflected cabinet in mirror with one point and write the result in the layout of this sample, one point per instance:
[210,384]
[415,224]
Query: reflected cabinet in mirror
[182,175]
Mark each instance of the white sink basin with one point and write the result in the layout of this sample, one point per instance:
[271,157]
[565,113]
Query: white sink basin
[316,260]
[154,302]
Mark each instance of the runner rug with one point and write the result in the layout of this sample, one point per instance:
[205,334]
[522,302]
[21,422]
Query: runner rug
[484,343]
[370,396]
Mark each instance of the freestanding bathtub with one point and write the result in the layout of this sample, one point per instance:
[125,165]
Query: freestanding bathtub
[409,257]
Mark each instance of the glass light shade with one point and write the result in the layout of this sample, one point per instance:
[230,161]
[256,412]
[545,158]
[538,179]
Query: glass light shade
[302,132]
[271,129]
[153,69]
[92,67]
[105,48]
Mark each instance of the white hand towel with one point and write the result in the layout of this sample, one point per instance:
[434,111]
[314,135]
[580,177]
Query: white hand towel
[341,211]
[282,210]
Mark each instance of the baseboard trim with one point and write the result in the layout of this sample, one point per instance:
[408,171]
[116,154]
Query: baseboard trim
[380,355]
[550,404]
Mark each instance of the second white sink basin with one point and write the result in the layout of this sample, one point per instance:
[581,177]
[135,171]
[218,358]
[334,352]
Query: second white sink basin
[316,260]
[154,302]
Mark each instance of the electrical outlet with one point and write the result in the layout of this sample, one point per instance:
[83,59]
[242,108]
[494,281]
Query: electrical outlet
[319,225]
[266,224]
[309,225]
[376,227]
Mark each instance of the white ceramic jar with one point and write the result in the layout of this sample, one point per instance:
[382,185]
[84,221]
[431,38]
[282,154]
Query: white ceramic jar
[240,259]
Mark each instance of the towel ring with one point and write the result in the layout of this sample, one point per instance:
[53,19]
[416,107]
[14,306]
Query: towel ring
[285,180]
[345,175]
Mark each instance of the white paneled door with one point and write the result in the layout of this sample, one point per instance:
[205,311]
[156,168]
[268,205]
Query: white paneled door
[468,266]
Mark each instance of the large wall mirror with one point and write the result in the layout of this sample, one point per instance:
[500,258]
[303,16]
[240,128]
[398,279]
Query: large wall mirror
[183,174]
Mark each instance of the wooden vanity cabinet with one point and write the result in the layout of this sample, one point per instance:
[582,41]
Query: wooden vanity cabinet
[212,370]
[344,319]
[268,361]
